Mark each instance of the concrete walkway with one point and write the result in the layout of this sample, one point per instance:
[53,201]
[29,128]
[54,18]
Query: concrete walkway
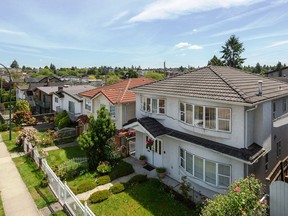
[14,193]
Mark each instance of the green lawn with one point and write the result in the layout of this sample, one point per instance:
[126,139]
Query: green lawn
[148,198]
[59,156]
[32,177]
[1,207]
[11,144]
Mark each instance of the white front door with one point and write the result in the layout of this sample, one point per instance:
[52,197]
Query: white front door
[154,152]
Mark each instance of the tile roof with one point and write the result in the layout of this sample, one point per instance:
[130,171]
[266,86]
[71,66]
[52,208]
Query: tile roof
[118,92]
[218,83]
[157,129]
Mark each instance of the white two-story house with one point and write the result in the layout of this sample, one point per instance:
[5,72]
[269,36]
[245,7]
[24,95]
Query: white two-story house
[213,125]
[117,98]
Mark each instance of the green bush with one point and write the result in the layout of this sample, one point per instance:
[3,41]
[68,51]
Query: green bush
[99,196]
[64,122]
[4,127]
[86,186]
[121,169]
[117,188]
[137,179]
[70,172]
[60,116]
[104,167]
[103,180]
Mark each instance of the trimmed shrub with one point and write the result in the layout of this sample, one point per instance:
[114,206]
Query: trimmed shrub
[103,180]
[64,122]
[104,167]
[99,196]
[4,127]
[86,186]
[138,179]
[117,188]
[121,169]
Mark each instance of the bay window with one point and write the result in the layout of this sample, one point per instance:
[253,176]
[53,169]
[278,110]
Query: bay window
[214,173]
[153,105]
[214,118]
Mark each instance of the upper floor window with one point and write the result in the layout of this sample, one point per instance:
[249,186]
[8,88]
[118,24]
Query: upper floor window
[214,118]
[112,111]
[153,105]
[206,170]
[56,99]
[88,104]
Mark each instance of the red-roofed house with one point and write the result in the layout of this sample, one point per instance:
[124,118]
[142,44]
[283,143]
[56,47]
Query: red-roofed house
[117,98]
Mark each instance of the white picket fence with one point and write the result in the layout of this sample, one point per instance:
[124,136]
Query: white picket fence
[63,193]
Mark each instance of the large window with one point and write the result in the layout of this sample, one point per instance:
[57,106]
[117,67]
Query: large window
[71,107]
[88,104]
[206,117]
[153,105]
[206,170]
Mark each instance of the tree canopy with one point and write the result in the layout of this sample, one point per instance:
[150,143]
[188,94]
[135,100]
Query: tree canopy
[97,140]
[232,51]
[14,64]
[215,61]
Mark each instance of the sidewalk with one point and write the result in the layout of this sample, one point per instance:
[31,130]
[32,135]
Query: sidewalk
[16,198]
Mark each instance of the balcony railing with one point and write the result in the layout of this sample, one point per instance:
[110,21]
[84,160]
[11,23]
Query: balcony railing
[42,104]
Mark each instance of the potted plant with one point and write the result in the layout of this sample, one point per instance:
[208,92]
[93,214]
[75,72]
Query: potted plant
[143,159]
[161,171]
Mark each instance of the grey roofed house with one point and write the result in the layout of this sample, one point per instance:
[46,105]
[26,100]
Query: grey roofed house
[74,90]
[220,84]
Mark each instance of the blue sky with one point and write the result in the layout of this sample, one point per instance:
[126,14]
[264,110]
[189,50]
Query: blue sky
[140,32]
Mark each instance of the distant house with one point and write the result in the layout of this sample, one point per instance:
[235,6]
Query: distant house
[283,72]
[68,98]
[213,125]
[117,98]
[43,98]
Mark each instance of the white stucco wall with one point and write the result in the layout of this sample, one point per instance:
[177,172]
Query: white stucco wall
[55,104]
[77,104]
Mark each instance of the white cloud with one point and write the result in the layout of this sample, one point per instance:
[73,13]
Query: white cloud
[116,18]
[169,9]
[181,45]
[6,31]
[278,43]
[195,47]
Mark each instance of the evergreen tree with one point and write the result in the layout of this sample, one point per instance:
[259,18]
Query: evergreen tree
[215,61]
[14,64]
[97,140]
[257,68]
[53,68]
[232,52]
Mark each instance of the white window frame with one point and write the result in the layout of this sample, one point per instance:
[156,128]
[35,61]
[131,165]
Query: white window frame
[148,102]
[183,160]
[56,99]
[88,104]
[184,113]
[112,111]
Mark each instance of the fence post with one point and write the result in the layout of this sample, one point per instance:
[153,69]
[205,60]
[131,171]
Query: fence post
[85,204]
[65,192]
[59,188]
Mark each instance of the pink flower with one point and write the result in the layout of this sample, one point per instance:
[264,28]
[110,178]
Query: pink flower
[263,202]
[238,189]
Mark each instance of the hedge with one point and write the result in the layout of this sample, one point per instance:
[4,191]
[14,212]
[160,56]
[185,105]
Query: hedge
[86,186]
[117,188]
[99,196]
[103,180]
[121,169]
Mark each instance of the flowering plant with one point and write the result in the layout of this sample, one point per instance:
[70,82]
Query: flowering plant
[104,167]
[131,133]
[149,143]
[29,135]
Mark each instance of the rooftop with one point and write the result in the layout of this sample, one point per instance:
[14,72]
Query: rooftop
[218,83]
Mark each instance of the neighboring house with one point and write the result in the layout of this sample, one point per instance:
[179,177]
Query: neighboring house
[213,125]
[68,98]
[21,91]
[43,98]
[283,72]
[117,98]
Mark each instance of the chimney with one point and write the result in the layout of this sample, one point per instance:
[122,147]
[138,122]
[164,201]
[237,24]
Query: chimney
[60,88]
[260,82]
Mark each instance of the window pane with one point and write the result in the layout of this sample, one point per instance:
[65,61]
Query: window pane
[210,117]
[224,125]
[189,113]
[182,112]
[144,103]
[223,181]
[189,163]
[159,147]
[224,113]
[210,172]
[154,105]
[148,105]
[161,106]
[198,116]
[223,169]
[198,167]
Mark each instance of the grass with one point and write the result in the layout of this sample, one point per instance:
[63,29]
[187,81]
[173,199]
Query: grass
[59,213]
[11,144]
[59,156]
[89,176]
[2,213]
[32,177]
[148,198]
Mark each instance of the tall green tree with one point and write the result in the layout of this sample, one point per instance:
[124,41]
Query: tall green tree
[215,61]
[53,68]
[97,140]
[257,68]
[14,64]
[232,51]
